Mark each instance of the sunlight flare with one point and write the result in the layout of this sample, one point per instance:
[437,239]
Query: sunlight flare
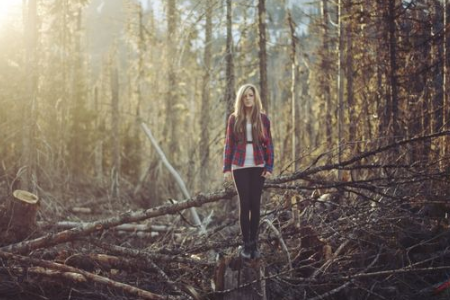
[8,10]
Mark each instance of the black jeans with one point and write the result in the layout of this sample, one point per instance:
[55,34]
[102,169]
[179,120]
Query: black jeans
[249,184]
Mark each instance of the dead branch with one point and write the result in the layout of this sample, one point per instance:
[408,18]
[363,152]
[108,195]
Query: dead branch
[175,174]
[131,290]
[148,256]
[128,217]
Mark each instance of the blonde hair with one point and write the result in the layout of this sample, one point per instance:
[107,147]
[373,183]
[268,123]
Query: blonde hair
[255,114]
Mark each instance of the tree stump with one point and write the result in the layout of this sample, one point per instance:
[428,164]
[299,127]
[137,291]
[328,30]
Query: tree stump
[18,217]
[240,278]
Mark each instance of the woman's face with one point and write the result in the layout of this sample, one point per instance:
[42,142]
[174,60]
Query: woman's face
[248,98]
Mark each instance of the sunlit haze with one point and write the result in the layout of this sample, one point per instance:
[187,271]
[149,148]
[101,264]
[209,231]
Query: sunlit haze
[8,10]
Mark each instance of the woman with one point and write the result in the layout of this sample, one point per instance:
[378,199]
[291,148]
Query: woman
[248,158]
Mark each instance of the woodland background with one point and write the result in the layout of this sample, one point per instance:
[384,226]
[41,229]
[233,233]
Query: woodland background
[357,93]
[78,77]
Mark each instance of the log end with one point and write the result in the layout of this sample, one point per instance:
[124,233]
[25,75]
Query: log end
[25,197]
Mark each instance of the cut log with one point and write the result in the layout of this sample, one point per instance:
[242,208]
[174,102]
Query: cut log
[238,278]
[19,217]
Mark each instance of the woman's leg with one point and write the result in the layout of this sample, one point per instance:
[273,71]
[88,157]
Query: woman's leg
[256,186]
[242,182]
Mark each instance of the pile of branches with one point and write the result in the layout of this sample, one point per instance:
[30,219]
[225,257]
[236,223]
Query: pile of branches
[359,229]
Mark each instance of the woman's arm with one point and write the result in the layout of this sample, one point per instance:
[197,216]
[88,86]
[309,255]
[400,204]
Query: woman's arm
[268,151]
[229,145]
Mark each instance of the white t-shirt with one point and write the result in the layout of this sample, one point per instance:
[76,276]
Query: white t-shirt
[249,157]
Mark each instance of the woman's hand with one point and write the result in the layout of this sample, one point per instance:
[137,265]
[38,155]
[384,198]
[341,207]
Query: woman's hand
[227,176]
[266,174]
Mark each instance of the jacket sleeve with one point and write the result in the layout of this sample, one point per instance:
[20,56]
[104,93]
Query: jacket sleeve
[268,151]
[229,145]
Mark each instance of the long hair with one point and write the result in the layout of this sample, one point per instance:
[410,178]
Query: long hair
[255,115]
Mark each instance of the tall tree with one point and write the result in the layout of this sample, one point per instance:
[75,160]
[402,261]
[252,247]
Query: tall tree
[340,77]
[263,54]
[170,125]
[445,147]
[326,74]
[230,93]
[28,178]
[294,67]
[115,132]
[80,118]
[349,74]
[393,100]
[205,113]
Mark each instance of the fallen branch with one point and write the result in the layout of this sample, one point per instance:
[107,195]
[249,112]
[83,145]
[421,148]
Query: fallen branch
[283,244]
[122,227]
[175,174]
[89,277]
[147,256]
[128,217]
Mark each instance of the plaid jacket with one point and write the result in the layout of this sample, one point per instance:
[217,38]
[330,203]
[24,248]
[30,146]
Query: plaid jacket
[234,152]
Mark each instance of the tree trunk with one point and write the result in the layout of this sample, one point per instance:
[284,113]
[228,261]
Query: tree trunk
[263,55]
[294,65]
[236,274]
[382,96]
[77,147]
[28,178]
[340,81]
[446,102]
[204,117]
[18,217]
[136,155]
[392,76]
[325,84]
[171,115]
[230,93]
[115,133]
[98,152]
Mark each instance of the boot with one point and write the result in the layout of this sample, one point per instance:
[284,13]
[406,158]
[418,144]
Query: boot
[245,251]
[255,253]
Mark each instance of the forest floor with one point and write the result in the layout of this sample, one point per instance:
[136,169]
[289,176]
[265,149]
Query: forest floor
[380,232]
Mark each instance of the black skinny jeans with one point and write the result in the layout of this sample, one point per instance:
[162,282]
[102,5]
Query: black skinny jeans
[249,184]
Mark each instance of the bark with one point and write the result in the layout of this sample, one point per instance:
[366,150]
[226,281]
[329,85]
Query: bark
[170,128]
[18,219]
[240,279]
[98,152]
[294,67]
[115,133]
[124,227]
[263,54]
[205,116]
[325,66]
[382,97]
[393,103]
[445,147]
[28,163]
[136,151]
[63,109]
[77,147]
[340,79]
[230,93]
[352,109]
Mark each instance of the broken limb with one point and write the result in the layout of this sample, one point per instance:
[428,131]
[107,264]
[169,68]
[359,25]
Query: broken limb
[175,174]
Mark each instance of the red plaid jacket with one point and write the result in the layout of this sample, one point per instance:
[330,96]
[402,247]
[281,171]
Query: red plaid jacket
[235,145]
